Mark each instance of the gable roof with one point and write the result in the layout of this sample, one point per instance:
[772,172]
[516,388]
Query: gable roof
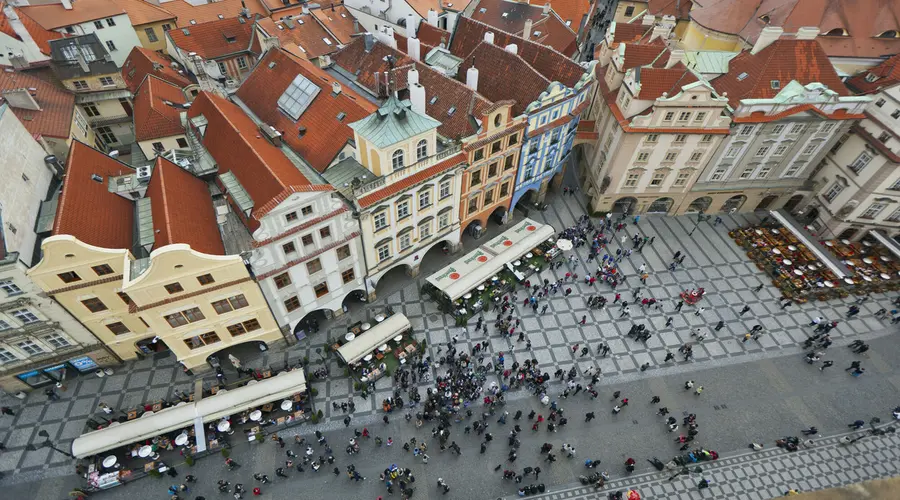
[337,20]
[432,35]
[658,81]
[232,138]
[679,8]
[423,6]
[182,210]
[509,16]
[52,16]
[54,119]
[324,134]
[750,75]
[443,93]
[142,62]
[212,11]
[141,12]
[571,11]
[884,75]
[153,118]
[309,36]
[87,209]
[503,75]
[394,122]
[215,39]
[550,63]
[642,54]
[40,35]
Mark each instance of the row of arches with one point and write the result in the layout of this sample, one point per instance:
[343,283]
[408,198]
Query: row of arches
[703,203]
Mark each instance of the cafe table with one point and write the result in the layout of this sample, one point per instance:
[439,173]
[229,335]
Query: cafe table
[110,461]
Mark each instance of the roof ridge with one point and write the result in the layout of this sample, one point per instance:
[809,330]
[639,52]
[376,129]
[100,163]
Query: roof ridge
[491,28]
[532,68]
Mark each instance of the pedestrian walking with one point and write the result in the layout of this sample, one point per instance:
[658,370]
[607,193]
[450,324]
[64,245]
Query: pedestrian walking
[699,311]
[825,364]
[719,325]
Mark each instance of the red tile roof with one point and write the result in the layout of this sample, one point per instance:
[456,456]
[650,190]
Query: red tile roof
[629,32]
[423,6]
[142,12]
[337,20]
[547,29]
[762,117]
[142,62]
[658,81]
[786,59]
[450,93]
[233,139]
[678,8]
[431,35]
[883,76]
[57,104]
[52,16]
[212,11]
[642,54]
[174,193]
[408,182]
[553,65]
[153,118]
[309,35]
[571,11]
[325,135]
[211,40]
[503,75]
[40,35]
[86,209]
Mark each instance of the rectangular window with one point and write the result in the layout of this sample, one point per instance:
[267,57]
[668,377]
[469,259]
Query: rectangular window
[671,156]
[242,328]
[313,266]
[797,128]
[488,197]
[762,151]
[405,241]
[402,210]
[669,116]
[111,46]
[348,276]
[107,81]
[307,240]
[657,179]
[717,175]
[508,162]
[98,25]
[282,280]
[202,340]
[6,356]
[325,232]
[779,151]
[833,191]
[478,154]
[707,138]
[151,35]
[880,102]
[380,221]
[90,109]
[732,151]
[793,169]
[425,231]
[873,210]
[493,169]
[682,178]
[443,220]
[680,139]
[69,277]
[475,179]
[652,138]
[94,305]
[632,180]
[80,85]
[291,217]
[110,22]
[828,127]
[343,252]
[205,279]
[56,340]
[696,156]
[384,252]
[746,130]
[473,205]
[642,157]
[699,117]
[10,288]
[292,304]
[495,147]
[227,305]
[860,162]
[4,325]
[173,288]
[118,328]
[895,186]
[746,173]
[321,289]
[809,149]
[504,190]
[307,210]
[26,316]
[29,347]
[107,135]
[763,172]
[894,217]
[424,199]
[884,137]
[513,139]
[182,318]
[222,68]
[242,62]
[629,11]
[684,116]
[445,189]
[289,248]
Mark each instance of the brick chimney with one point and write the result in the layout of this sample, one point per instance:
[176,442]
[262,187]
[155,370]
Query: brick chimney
[768,35]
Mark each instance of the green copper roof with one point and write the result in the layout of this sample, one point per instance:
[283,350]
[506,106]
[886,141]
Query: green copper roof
[394,122]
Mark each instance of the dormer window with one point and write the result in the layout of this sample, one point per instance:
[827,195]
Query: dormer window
[230,39]
[775,84]
[397,159]
[836,32]
[888,34]
[871,77]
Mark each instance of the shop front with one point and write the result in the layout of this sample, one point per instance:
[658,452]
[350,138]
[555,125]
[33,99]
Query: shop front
[58,372]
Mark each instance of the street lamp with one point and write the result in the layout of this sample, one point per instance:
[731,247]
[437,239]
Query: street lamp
[47,444]
[319,352]
[700,218]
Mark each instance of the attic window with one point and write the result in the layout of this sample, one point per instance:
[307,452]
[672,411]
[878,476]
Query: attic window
[451,111]
[764,18]
[230,39]
[327,41]
[568,23]
[433,100]
[482,10]
[888,34]
[96,178]
[271,64]
[871,77]
[743,76]
[299,94]
[503,15]
[776,84]
[836,32]
[221,16]
[280,26]
[186,31]
[341,116]
[193,21]
[537,33]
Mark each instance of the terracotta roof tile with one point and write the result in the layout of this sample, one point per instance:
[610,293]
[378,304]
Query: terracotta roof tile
[431,35]
[54,16]
[553,65]
[502,75]
[547,29]
[408,182]
[173,194]
[309,35]
[86,209]
[450,93]
[40,35]
[141,12]
[571,11]
[212,11]
[215,39]
[152,117]
[750,76]
[57,104]
[678,8]
[423,6]
[629,32]
[142,62]
[325,135]
[883,76]
[657,81]
[337,20]
[642,54]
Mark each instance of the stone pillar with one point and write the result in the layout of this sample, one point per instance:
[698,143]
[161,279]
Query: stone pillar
[337,313]
[413,271]
[542,192]
[456,247]
[372,296]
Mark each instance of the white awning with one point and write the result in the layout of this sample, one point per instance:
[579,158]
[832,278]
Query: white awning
[888,242]
[818,250]
[480,264]
[182,416]
[368,341]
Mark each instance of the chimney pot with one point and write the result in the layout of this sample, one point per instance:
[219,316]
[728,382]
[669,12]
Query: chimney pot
[472,78]
[336,87]
[512,49]
[526,31]
[489,37]
[768,35]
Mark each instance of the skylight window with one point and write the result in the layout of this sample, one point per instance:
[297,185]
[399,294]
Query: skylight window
[433,100]
[451,111]
[299,21]
[742,76]
[343,15]
[503,15]
[482,10]
[537,33]
[327,41]
[221,16]
[193,21]
[568,23]
[341,116]
[776,84]
[299,94]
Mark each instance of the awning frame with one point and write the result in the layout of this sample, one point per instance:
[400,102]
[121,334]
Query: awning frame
[811,243]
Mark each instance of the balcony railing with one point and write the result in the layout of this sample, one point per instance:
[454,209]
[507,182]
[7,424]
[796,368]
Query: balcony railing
[406,171]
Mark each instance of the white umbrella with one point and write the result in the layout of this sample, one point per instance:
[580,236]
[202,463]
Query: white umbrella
[564,245]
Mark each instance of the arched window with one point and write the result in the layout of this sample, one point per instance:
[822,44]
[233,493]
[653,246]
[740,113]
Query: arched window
[397,159]
[421,150]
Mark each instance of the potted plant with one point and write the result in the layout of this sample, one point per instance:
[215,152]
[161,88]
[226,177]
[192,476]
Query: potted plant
[189,460]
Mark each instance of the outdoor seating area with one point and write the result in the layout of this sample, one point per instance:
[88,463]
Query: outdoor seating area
[479,279]
[372,350]
[867,267]
[152,442]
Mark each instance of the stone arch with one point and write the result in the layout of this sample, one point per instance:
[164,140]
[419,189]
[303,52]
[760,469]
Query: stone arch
[766,202]
[624,205]
[660,206]
[700,204]
[733,204]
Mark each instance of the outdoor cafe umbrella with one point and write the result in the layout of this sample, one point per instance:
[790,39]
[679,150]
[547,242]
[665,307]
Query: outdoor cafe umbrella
[564,245]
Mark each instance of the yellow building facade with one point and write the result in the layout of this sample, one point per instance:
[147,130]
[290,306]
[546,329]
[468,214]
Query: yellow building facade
[153,35]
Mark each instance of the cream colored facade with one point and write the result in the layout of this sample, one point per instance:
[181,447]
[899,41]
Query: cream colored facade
[860,180]
[626,10]
[154,147]
[124,308]
[106,105]
[153,35]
